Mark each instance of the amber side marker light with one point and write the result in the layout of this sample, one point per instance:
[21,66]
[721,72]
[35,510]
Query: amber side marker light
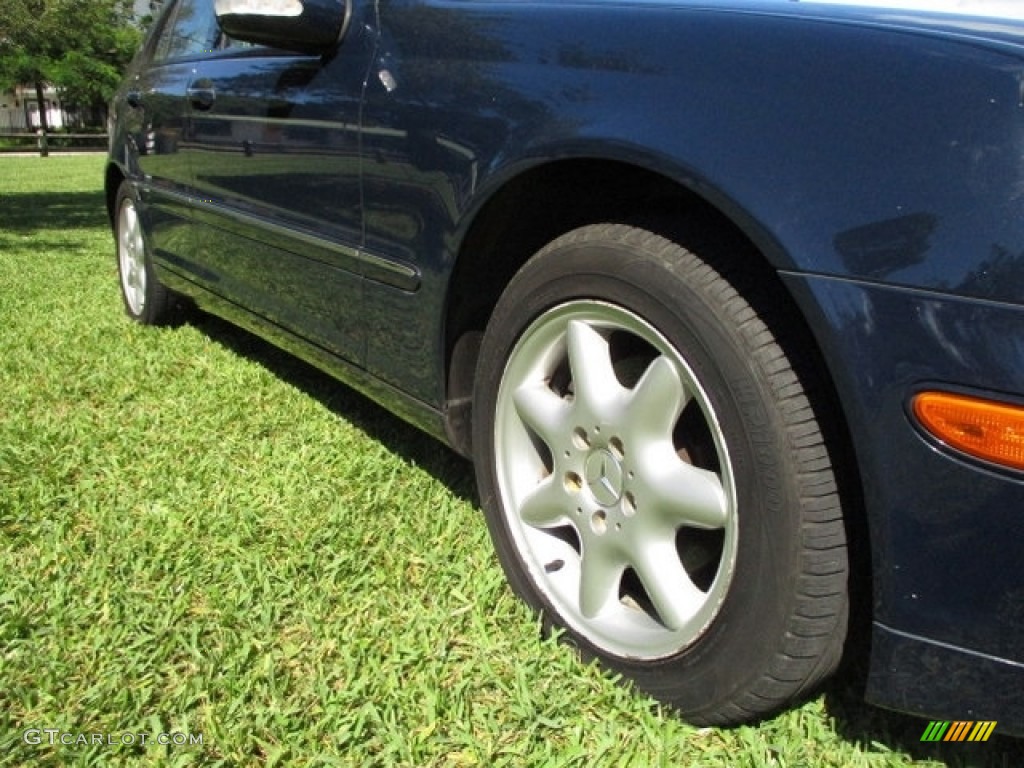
[980,428]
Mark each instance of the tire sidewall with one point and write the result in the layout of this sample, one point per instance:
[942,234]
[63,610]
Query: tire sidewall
[683,301]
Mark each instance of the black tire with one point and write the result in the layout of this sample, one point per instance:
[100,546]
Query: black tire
[146,299]
[684,523]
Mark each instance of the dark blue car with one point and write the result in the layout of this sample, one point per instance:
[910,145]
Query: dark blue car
[724,299]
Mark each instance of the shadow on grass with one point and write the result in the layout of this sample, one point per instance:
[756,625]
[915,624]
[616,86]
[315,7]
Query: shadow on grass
[29,212]
[402,439]
[855,720]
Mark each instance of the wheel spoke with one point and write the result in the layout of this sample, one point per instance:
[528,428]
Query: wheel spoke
[547,505]
[542,410]
[668,585]
[128,222]
[656,401]
[594,381]
[682,494]
[600,576]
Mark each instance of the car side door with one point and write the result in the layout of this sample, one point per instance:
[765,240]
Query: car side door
[156,123]
[273,145]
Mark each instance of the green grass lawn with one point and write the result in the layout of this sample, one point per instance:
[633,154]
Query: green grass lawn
[202,535]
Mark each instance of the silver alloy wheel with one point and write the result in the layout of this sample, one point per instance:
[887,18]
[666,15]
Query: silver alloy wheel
[608,510]
[131,254]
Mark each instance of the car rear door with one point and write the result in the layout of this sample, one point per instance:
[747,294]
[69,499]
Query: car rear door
[273,145]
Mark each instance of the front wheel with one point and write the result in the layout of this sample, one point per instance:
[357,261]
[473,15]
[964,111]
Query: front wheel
[655,478]
[146,299]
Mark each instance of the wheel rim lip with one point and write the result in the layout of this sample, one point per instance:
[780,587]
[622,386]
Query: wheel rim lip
[131,258]
[626,633]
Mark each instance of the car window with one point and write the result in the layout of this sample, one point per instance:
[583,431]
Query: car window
[192,31]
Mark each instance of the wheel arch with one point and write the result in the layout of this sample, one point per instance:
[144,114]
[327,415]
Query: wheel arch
[113,176]
[536,205]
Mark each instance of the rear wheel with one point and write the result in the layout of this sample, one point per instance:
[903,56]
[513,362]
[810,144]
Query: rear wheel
[655,478]
[146,299]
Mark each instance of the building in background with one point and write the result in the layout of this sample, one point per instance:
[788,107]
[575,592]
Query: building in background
[19,109]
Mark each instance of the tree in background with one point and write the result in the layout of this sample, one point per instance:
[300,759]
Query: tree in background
[81,47]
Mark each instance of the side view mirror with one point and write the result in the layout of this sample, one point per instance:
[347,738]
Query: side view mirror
[305,26]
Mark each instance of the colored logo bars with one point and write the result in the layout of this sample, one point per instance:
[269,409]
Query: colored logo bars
[959,730]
